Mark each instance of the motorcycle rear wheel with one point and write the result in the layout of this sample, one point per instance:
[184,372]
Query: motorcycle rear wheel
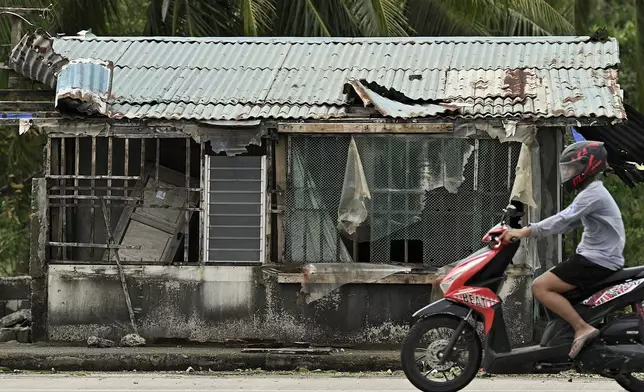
[468,342]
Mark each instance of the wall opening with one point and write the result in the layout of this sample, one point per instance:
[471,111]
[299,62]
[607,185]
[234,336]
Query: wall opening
[421,193]
[134,197]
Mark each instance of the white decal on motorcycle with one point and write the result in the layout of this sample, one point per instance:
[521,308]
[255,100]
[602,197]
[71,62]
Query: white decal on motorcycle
[610,293]
[477,300]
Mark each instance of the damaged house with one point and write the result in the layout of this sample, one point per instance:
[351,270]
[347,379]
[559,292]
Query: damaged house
[295,189]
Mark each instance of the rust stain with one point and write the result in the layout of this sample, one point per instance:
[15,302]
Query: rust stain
[574,99]
[515,82]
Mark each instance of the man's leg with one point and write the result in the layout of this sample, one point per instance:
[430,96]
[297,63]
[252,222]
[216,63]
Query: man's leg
[547,288]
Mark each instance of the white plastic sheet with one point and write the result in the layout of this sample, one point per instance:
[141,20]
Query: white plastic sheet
[353,210]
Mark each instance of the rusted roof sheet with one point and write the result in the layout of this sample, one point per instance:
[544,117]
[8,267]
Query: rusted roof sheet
[239,78]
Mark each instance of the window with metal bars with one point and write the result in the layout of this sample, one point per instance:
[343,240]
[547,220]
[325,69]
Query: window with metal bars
[126,197]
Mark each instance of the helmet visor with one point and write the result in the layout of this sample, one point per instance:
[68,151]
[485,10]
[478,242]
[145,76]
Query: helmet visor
[569,170]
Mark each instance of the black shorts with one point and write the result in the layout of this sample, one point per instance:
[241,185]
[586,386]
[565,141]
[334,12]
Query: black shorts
[580,272]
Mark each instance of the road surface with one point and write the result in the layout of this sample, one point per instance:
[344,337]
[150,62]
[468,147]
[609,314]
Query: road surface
[136,382]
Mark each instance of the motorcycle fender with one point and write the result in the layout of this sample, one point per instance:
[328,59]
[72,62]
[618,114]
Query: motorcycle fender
[442,306]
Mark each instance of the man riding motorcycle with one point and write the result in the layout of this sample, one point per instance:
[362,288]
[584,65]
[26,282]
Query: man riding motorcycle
[598,255]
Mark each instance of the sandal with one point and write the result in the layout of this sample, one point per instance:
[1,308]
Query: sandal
[580,342]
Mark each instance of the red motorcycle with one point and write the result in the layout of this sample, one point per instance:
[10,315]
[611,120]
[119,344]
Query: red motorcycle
[450,357]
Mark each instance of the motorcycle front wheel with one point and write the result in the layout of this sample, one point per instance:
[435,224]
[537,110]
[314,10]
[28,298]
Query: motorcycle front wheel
[423,348]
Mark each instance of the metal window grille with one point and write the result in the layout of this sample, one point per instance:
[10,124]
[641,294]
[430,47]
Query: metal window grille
[406,223]
[111,197]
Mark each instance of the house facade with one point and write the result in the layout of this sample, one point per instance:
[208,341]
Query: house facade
[292,189]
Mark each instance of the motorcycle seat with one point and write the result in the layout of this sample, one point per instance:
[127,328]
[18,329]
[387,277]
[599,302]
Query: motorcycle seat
[621,275]
[577,295]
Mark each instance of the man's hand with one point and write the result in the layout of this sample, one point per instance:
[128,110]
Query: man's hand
[515,233]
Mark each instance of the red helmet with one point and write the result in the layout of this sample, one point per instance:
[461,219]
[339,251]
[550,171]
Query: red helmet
[581,162]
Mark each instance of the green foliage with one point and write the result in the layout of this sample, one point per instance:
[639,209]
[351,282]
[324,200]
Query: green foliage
[20,161]
[631,203]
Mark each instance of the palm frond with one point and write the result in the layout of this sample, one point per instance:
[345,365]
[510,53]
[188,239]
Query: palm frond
[540,14]
[201,18]
[441,18]
[505,17]
[256,16]
[314,18]
[380,17]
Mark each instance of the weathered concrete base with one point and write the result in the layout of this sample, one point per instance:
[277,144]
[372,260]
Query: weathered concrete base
[218,303]
[179,359]
[215,304]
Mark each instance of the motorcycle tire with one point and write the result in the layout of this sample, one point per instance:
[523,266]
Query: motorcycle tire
[408,359]
[630,383]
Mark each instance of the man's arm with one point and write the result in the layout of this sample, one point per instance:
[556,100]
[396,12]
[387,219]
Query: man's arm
[567,219]
[560,223]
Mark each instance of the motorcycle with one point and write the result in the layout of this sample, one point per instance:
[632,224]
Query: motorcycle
[451,358]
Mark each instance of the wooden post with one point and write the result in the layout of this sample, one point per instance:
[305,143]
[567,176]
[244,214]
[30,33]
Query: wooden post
[280,185]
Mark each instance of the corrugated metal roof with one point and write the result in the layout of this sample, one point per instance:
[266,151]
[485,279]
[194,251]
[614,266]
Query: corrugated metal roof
[551,93]
[183,111]
[239,78]
[415,54]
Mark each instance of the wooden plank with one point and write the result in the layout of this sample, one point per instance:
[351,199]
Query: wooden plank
[362,127]
[280,186]
[91,245]
[416,279]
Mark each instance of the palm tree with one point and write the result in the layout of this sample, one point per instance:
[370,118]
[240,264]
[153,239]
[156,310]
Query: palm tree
[310,17]
[362,17]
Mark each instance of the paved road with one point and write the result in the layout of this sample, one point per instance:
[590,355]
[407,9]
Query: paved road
[136,382]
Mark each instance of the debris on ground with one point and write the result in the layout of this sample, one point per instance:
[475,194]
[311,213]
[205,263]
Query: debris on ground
[95,341]
[132,340]
[16,327]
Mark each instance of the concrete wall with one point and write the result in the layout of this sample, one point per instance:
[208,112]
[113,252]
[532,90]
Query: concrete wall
[15,294]
[218,303]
